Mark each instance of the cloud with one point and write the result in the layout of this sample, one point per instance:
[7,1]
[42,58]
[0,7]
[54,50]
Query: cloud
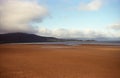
[93,5]
[114,30]
[78,34]
[16,15]
[115,27]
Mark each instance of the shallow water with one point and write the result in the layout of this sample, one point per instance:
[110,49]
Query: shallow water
[74,43]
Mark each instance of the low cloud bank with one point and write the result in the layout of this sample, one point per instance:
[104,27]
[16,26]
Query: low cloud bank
[79,34]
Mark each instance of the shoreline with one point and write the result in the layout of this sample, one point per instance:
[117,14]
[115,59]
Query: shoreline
[50,44]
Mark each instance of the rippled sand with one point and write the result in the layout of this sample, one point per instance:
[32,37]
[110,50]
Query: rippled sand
[59,61]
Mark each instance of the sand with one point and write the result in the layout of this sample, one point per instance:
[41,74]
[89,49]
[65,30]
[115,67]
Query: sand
[59,61]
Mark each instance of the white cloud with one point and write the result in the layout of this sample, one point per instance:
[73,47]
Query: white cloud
[93,5]
[114,30]
[16,15]
[115,27]
[44,31]
[79,34]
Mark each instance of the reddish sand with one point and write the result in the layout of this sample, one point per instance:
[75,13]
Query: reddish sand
[59,61]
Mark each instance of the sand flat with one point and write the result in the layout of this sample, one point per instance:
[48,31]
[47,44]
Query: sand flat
[59,61]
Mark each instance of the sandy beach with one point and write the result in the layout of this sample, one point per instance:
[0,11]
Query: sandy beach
[59,61]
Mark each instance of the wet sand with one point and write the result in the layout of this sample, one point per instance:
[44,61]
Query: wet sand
[59,61]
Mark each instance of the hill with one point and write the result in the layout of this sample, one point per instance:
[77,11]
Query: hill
[24,38]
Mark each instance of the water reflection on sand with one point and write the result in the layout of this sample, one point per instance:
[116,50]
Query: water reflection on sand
[75,43]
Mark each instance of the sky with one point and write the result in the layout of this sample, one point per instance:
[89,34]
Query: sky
[83,19]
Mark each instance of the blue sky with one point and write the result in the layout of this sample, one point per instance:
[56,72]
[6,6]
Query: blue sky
[62,18]
[64,14]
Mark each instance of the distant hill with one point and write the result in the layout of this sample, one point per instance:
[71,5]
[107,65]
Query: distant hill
[24,38]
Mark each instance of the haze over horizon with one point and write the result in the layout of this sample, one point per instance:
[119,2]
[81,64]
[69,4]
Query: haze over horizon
[92,19]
